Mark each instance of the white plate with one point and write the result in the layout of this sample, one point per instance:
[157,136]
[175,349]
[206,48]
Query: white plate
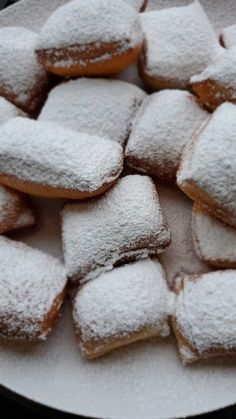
[145,380]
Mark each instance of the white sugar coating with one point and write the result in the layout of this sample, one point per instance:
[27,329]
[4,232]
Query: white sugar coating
[82,22]
[180,42]
[30,280]
[9,201]
[123,301]
[19,69]
[8,110]
[47,154]
[229,36]
[211,162]
[126,222]
[214,240]
[206,311]
[223,71]
[96,106]
[164,125]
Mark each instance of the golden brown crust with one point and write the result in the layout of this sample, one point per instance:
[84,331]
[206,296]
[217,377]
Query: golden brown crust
[212,94]
[87,62]
[168,175]
[33,104]
[53,314]
[94,349]
[49,191]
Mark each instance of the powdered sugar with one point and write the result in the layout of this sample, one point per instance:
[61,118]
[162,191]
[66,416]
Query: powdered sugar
[186,43]
[8,110]
[125,223]
[96,106]
[30,280]
[100,21]
[123,301]
[19,71]
[210,161]
[14,211]
[229,36]
[164,125]
[223,71]
[206,312]
[47,154]
[215,241]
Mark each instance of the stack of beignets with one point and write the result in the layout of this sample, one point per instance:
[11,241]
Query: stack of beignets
[90,139]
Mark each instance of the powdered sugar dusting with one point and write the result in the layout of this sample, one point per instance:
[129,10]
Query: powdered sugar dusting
[8,110]
[100,21]
[206,311]
[229,36]
[186,42]
[164,125]
[214,240]
[126,222]
[28,288]
[47,154]
[123,301]
[211,162]
[95,106]
[222,70]
[19,70]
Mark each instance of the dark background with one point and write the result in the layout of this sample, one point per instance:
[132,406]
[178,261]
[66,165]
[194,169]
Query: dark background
[17,408]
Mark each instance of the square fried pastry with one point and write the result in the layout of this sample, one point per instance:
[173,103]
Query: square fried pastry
[214,241]
[32,289]
[41,158]
[90,38]
[96,106]
[164,124]
[208,168]
[22,79]
[126,223]
[130,303]
[178,43]
[217,83]
[204,321]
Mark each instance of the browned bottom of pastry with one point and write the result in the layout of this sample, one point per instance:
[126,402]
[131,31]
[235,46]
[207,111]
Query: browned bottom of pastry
[154,83]
[49,191]
[212,94]
[35,100]
[93,60]
[166,172]
[94,349]
[53,314]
